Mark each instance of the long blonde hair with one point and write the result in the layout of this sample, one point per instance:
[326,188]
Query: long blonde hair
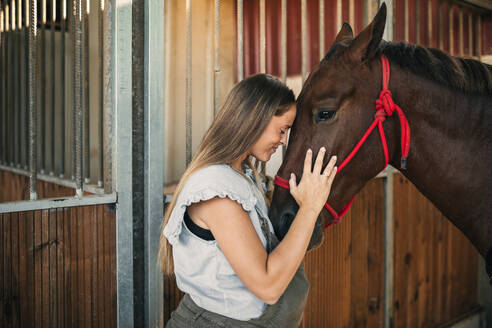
[248,109]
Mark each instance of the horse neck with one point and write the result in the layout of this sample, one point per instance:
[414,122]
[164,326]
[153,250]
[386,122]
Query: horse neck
[450,151]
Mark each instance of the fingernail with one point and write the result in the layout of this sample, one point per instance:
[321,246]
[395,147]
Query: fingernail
[309,151]
[292,175]
[323,149]
[334,158]
[336,168]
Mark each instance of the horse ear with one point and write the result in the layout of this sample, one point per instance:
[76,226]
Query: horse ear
[345,33]
[366,44]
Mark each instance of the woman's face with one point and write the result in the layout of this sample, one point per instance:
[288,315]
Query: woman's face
[274,135]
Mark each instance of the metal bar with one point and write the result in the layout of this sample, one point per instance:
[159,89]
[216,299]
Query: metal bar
[26,86]
[283,51]
[53,179]
[15,82]
[52,87]
[479,36]
[138,164]
[470,35]
[406,21]
[121,50]
[321,29]
[32,71]
[339,15]
[303,40]
[51,203]
[451,30]
[10,105]
[429,24]
[19,83]
[352,14]
[107,89]
[262,38]
[417,22]
[217,57]
[188,81]
[2,81]
[154,161]
[388,251]
[43,88]
[388,31]
[73,91]
[240,41]
[63,20]
[461,48]
[101,92]
[86,108]
[77,96]
[441,28]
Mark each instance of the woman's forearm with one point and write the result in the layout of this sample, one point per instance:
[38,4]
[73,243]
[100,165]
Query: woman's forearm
[284,261]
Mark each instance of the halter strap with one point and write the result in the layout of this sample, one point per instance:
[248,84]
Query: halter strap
[385,107]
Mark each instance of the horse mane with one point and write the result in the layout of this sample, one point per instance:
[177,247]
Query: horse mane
[462,74]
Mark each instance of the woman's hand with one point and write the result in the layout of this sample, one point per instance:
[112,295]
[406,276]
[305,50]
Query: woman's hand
[314,188]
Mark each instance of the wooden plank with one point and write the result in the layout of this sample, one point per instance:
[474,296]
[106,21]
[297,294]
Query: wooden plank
[45,268]
[24,296]
[100,304]
[7,270]
[60,273]
[52,248]
[68,272]
[15,306]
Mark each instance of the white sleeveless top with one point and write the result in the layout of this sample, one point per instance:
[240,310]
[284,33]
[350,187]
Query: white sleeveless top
[201,269]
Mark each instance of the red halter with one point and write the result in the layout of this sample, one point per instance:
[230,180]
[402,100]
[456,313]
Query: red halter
[384,108]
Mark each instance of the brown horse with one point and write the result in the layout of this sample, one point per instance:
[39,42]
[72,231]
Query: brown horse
[447,102]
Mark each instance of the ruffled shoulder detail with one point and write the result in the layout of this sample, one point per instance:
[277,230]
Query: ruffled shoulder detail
[213,181]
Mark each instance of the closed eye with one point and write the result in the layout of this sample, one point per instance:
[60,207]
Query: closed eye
[325,114]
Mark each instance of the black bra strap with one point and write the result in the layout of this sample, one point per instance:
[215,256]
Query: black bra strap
[196,229]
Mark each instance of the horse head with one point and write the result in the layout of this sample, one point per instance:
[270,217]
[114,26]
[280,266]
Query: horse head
[336,105]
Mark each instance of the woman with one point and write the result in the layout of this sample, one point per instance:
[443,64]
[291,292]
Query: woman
[224,254]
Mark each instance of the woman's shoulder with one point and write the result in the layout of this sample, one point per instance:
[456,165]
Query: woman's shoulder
[220,176]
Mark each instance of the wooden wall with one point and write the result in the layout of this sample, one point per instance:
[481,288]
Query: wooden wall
[57,267]
[435,266]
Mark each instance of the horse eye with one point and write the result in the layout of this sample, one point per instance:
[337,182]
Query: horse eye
[325,115]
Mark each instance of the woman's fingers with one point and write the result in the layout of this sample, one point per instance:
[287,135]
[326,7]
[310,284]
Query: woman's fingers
[319,161]
[329,167]
[307,162]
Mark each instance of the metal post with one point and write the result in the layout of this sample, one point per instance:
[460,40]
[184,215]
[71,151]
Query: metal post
[388,31]
[101,92]
[43,88]
[217,57]
[77,96]
[9,85]
[63,21]
[262,37]
[2,88]
[107,90]
[321,29]
[33,35]
[138,164]
[188,81]
[86,91]
[154,161]
[121,83]
[240,41]
[52,87]
[26,86]
[441,29]
[303,40]
[388,253]
[461,47]
[19,83]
